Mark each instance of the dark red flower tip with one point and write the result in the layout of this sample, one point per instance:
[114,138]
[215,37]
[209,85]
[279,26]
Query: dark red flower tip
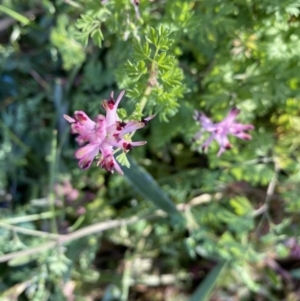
[110,165]
[117,137]
[80,117]
[144,121]
[127,146]
[235,110]
[86,165]
[120,125]
[110,104]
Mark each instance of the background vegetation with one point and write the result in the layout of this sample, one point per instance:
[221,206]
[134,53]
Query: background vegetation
[181,224]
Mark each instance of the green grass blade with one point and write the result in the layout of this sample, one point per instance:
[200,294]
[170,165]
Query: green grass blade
[147,187]
[204,290]
[14,15]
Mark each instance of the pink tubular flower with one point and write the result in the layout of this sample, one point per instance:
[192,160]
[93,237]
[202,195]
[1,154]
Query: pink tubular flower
[103,135]
[219,131]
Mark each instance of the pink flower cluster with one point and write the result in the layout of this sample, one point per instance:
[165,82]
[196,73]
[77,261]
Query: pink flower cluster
[66,190]
[219,131]
[103,135]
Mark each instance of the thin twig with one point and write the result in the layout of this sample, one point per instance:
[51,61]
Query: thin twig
[135,4]
[52,173]
[259,211]
[7,22]
[64,239]
[27,218]
[73,3]
[14,137]
[93,229]
[38,78]
[270,192]
[29,231]
[259,160]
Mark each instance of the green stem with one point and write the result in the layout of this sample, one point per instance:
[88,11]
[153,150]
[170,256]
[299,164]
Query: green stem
[148,90]
[73,3]
[126,278]
[14,15]
[89,230]
[72,76]
[143,101]
[14,137]
[152,78]
[77,223]
[28,218]
[145,97]
[52,167]
[29,231]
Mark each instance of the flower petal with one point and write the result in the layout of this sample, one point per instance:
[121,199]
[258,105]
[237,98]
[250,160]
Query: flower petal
[69,119]
[86,155]
[127,146]
[84,119]
[147,119]
[202,119]
[243,136]
[111,108]
[229,119]
[87,150]
[238,127]
[108,161]
[132,126]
